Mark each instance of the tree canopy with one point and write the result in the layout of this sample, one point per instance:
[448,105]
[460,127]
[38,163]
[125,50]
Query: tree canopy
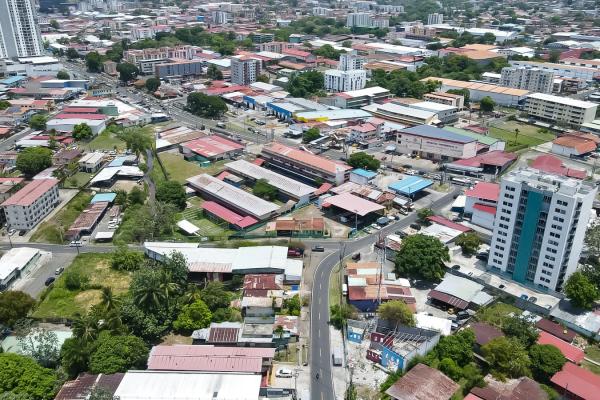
[171,192]
[93,61]
[397,312]
[507,358]
[21,375]
[126,260]
[38,122]
[363,160]
[82,131]
[328,51]
[521,328]
[487,104]
[214,73]
[306,84]
[546,360]
[458,347]
[152,84]
[193,316]
[469,242]
[62,74]
[422,256]
[206,106]
[33,160]
[127,72]
[137,139]
[118,354]
[311,134]
[14,305]
[581,291]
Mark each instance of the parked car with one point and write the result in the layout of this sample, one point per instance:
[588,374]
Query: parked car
[455,267]
[356,257]
[463,315]
[49,281]
[284,373]
[401,234]
[415,226]
[59,270]
[295,252]
[76,243]
[318,249]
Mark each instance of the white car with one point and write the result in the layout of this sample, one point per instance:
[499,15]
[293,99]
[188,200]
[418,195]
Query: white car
[284,373]
[76,243]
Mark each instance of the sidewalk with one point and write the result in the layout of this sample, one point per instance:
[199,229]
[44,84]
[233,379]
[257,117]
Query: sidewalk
[339,373]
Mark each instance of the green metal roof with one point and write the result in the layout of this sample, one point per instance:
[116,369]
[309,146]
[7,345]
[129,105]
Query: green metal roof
[488,140]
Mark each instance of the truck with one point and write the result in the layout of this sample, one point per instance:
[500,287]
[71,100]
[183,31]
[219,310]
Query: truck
[337,357]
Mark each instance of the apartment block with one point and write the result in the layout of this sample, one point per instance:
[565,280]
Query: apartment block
[448,99]
[20,34]
[343,81]
[435,19]
[568,71]
[562,110]
[26,208]
[539,227]
[244,70]
[532,79]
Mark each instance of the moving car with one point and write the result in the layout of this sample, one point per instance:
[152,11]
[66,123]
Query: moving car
[59,270]
[49,281]
[318,249]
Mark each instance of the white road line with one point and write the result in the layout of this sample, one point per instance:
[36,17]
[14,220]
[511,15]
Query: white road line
[320,352]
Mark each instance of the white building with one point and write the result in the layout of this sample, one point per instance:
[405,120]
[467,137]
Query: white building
[430,142]
[359,20]
[32,66]
[435,19]
[344,81]
[26,208]
[539,227]
[20,32]
[322,11]
[350,61]
[16,261]
[567,71]
[481,203]
[505,96]
[532,79]
[244,70]
[565,110]
[220,17]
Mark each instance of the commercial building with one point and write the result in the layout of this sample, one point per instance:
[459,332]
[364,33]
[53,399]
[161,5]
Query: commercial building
[212,148]
[532,79]
[287,187]
[459,293]
[539,227]
[16,261]
[402,114]
[449,99]
[245,70]
[445,113]
[568,71]
[234,198]
[557,109]
[305,166]
[361,98]
[575,145]
[20,36]
[434,143]
[435,19]
[179,68]
[26,208]
[91,162]
[502,95]
[343,81]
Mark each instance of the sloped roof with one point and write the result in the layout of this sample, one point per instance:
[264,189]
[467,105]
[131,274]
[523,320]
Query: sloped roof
[423,383]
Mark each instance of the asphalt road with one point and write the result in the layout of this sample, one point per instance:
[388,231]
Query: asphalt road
[320,351]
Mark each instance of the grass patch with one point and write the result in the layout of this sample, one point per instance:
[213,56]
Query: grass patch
[208,228]
[52,231]
[288,355]
[496,313]
[335,286]
[593,353]
[60,302]
[79,180]
[591,367]
[106,141]
[179,169]
[529,135]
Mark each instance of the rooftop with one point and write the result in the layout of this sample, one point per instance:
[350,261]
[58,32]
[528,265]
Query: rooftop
[479,86]
[571,353]
[581,382]
[410,185]
[423,383]
[31,192]
[484,190]
[355,204]
[437,133]
[211,146]
[567,101]
[309,159]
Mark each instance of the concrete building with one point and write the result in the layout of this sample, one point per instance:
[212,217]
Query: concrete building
[403,114]
[434,143]
[20,33]
[350,61]
[505,96]
[568,71]
[26,208]
[435,19]
[180,68]
[449,99]
[539,227]
[244,70]
[532,79]
[16,261]
[556,109]
[361,98]
[344,81]
[359,20]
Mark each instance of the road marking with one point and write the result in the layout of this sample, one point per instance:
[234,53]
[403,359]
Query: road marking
[320,352]
[321,395]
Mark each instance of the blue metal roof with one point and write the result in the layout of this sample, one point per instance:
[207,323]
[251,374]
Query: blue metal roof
[364,173]
[12,79]
[410,185]
[110,197]
[118,161]
[438,133]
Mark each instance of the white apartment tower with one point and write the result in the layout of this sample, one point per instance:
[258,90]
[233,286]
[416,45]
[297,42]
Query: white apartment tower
[19,29]
[532,79]
[349,75]
[435,19]
[539,227]
[351,60]
[244,70]
[359,20]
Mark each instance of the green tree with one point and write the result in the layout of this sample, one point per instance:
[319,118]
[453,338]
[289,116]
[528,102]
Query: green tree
[41,345]
[72,54]
[136,196]
[521,328]
[422,256]
[114,354]
[172,192]
[263,189]
[306,84]
[74,356]
[175,265]
[507,358]
[108,300]
[592,240]
[127,71]
[469,242]
[487,104]
[423,215]
[62,74]
[554,56]
[340,313]
[451,369]
[75,280]
[38,122]
[33,160]
[227,314]
[328,51]
[152,84]
[396,311]
[215,296]
[361,159]
[82,131]
[54,24]
[457,347]
[487,38]
[146,289]
[293,305]
[21,375]
[310,135]
[263,78]
[126,260]
[581,291]
[138,140]
[546,360]
[214,73]
[93,61]
[4,104]
[206,106]
[193,316]
[14,305]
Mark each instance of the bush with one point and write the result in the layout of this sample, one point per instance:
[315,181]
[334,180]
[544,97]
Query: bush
[75,280]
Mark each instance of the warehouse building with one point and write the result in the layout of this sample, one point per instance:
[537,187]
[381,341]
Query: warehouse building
[434,143]
[234,198]
[504,96]
[211,148]
[553,109]
[15,262]
[403,114]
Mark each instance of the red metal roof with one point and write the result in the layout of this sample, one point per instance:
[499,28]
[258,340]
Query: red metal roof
[223,335]
[260,281]
[446,222]
[554,165]
[324,188]
[352,203]
[212,146]
[80,116]
[555,329]
[31,192]
[228,215]
[485,208]
[495,158]
[484,190]
[582,383]
[83,110]
[448,299]
[423,383]
[571,353]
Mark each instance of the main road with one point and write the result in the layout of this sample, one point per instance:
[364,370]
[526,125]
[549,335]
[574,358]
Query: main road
[320,351]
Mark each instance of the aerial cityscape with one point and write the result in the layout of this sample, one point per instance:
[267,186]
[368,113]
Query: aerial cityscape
[299,200]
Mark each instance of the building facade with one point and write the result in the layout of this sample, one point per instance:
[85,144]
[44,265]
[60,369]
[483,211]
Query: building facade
[563,110]
[244,70]
[435,19]
[19,29]
[344,81]
[532,79]
[26,208]
[539,227]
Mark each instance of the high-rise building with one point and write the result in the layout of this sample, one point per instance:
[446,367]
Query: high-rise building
[359,20]
[435,19]
[349,75]
[559,109]
[19,29]
[244,70]
[539,227]
[532,79]
[351,60]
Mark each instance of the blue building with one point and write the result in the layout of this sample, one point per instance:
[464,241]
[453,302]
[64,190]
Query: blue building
[356,330]
[362,176]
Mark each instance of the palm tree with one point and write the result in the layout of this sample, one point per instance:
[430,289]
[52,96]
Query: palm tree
[516,134]
[149,297]
[192,294]
[109,300]
[279,331]
[86,328]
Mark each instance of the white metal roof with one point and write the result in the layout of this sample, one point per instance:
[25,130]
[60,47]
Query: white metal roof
[158,385]
[563,100]
[283,183]
[16,259]
[462,288]
[442,325]
[188,227]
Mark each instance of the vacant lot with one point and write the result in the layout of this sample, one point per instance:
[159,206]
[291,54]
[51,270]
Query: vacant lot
[208,228]
[61,302]
[106,141]
[528,135]
[52,231]
[78,180]
[179,169]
